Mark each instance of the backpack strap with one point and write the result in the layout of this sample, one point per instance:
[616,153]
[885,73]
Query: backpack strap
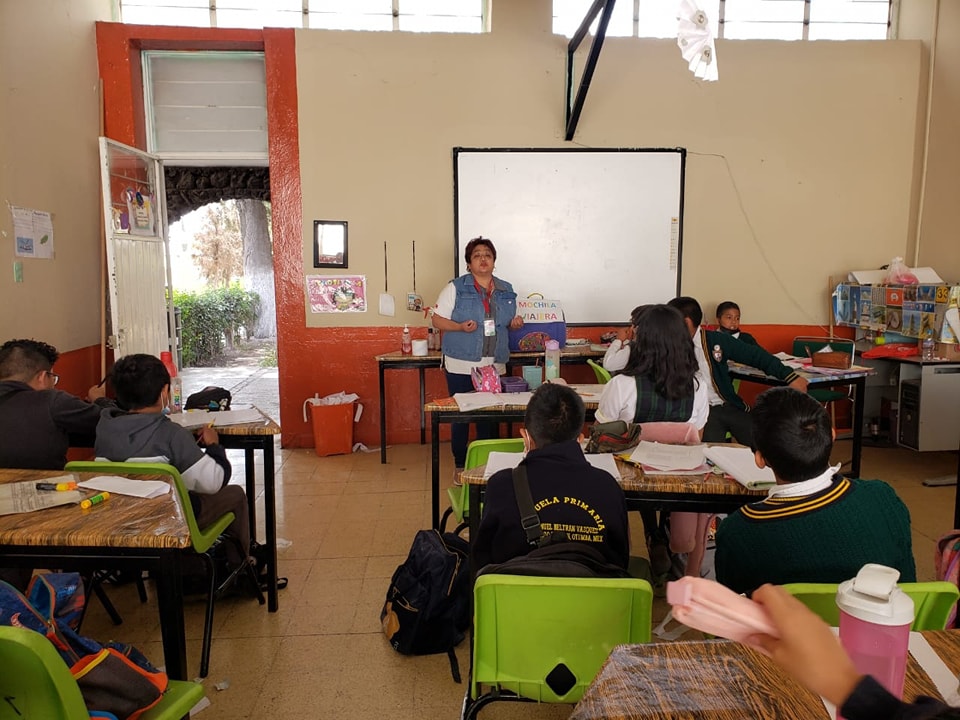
[529,520]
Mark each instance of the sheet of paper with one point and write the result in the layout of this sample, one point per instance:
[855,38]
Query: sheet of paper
[24,497]
[498,461]
[738,463]
[605,461]
[668,457]
[197,419]
[702,470]
[589,392]
[479,400]
[127,486]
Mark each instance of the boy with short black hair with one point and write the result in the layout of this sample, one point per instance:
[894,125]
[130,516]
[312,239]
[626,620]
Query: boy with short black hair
[815,525]
[728,321]
[140,431]
[569,494]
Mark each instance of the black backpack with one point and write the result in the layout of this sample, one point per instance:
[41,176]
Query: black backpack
[210,398]
[427,609]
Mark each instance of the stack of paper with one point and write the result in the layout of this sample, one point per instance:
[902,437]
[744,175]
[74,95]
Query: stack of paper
[498,461]
[669,458]
[127,486]
[738,463]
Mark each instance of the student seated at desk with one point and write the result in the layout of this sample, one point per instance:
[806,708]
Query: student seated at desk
[661,383]
[728,411]
[815,525]
[568,492]
[728,321]
[140,431]
[616,356]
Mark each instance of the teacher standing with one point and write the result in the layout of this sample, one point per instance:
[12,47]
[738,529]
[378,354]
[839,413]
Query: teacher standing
[474,312]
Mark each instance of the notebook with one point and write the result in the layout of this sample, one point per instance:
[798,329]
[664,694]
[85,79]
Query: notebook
[738,463]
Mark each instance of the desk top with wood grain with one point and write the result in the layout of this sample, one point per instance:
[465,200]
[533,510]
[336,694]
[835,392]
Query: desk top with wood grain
[266,426]
[721,680]
[633,479]
[121,521]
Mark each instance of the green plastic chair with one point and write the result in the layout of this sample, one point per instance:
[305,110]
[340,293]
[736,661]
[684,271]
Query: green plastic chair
[603,375]
[42,687]
[201,540]
[544,639]
[932,601]
[477,453]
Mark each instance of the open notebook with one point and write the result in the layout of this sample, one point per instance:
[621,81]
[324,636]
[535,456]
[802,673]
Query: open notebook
[738,463]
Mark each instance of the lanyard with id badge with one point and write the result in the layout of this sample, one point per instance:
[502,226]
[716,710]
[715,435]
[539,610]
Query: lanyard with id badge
[489,324]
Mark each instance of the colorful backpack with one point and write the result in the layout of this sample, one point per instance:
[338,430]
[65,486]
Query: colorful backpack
[946,563]
[113,678]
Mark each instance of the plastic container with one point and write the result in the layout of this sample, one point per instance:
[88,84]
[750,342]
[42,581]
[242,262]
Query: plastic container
[332,428]
[512,384]
[875,620]
[176,383]
[533,374]
[927,348]
[406,343]
[552,360]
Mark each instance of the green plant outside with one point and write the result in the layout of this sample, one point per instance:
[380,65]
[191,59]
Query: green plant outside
[208,317]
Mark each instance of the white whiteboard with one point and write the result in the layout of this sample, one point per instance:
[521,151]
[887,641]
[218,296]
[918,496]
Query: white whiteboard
[599,230]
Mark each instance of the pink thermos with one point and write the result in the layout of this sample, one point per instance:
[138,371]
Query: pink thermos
[875,620]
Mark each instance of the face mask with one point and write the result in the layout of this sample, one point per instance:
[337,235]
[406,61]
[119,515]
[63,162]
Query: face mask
[165,411]
[728,331]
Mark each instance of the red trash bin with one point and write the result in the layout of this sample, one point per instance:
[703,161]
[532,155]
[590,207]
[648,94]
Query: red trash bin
[332,428]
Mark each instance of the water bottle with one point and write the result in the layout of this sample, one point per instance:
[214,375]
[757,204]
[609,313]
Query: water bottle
[176,383]
[875,620]
[552,361]
[406,344]
[927,347]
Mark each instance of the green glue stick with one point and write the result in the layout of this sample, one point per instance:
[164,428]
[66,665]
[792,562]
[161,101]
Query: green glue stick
[95,500]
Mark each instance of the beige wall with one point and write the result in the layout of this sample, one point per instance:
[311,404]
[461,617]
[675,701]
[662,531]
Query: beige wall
[939,241]
[801,164]
[48,161]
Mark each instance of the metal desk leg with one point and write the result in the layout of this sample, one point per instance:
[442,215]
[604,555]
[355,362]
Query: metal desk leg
[956,510]
[170,605]
[859,387]
[250,475]
[423,396]
[435,469]
[383,419]
[270,523]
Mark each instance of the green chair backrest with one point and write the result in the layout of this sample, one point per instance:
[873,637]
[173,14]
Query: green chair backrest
[42,686]
[805,346]
[525,627]
[603,375]
[932,601]
[201,539]
[479,450]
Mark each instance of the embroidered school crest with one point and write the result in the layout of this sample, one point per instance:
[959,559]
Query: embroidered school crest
[717,353]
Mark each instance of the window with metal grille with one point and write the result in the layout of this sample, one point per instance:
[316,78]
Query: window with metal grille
[462,16]
[742,19]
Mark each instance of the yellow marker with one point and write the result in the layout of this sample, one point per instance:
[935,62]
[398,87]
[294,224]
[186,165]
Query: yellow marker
[95,500]
[59,487]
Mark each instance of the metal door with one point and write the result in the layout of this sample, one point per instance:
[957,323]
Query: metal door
[139,288]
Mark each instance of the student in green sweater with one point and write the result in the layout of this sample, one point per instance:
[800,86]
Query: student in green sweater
[815,525]
[728,321]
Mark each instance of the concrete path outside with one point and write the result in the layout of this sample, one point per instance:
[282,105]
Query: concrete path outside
[247,382]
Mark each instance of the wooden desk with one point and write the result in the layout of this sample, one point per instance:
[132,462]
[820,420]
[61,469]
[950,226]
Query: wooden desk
[250,437]
[571,355]
[692,493]
[721,680]
[856,376]
[125,533]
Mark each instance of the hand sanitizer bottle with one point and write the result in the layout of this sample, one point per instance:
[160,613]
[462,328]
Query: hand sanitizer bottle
[552,360]
[406,344]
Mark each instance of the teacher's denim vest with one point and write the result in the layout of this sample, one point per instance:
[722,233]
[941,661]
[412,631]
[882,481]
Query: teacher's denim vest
[469,306]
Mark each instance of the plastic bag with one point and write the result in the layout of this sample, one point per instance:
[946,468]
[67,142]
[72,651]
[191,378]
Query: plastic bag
[899,274]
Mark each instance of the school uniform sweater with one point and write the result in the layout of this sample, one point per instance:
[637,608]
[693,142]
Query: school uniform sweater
[569,495]
[823,537]
[719,347]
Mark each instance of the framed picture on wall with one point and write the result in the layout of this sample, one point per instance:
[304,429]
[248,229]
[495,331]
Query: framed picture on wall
[330,243]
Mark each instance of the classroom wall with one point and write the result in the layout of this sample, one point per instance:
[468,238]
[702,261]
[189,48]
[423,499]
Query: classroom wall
[801,166]
[49,161]
[938,24]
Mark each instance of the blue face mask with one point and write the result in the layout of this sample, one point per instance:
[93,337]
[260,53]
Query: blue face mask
[165,411]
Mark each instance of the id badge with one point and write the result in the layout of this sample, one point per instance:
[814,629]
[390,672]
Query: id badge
[489,327]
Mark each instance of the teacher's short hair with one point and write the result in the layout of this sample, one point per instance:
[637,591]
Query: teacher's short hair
[472,245]
[554,414]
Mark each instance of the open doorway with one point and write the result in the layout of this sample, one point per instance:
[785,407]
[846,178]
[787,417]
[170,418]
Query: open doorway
[223,285]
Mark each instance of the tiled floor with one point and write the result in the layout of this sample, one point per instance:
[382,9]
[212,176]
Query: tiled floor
[349,521]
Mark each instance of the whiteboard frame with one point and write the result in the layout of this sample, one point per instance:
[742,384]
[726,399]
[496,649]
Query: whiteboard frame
[682,152]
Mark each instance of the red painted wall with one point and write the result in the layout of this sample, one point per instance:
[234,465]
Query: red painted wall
[311,360]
